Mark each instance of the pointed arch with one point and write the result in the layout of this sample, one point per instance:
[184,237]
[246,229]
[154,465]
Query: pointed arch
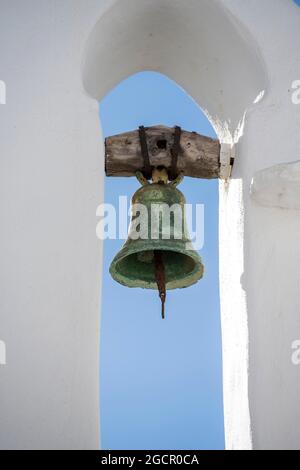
[199,45]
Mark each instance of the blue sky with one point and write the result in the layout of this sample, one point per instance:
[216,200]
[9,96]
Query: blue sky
[161,381]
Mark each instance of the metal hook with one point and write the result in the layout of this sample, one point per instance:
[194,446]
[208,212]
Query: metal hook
[141,178]
[177,180]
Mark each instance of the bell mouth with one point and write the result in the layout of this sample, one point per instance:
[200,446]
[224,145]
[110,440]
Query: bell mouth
[138,270]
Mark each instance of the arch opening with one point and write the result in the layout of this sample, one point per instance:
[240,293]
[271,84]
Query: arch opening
[162,378]
[199,45]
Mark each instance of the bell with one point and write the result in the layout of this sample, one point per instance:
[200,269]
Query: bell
[158,253]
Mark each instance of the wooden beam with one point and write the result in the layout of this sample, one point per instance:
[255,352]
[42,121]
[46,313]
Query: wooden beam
[199,155]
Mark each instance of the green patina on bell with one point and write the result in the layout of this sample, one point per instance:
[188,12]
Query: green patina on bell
[158,253]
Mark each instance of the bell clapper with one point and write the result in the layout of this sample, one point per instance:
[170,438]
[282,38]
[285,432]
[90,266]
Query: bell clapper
[160,279]
[160,176]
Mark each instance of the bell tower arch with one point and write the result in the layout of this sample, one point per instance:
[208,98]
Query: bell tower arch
[207,51]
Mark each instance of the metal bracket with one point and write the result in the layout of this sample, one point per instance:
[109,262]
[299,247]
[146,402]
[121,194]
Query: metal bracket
[227,157]
[175,150]
[147,169]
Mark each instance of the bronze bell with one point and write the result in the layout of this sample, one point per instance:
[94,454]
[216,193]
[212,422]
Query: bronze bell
[158,253]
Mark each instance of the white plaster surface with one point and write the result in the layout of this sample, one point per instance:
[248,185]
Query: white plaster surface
[234,318]
[57,59]
[51,171]
[278,186]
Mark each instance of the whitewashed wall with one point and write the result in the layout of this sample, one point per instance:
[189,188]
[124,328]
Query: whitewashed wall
[58,58]
[51,171]
[271,277]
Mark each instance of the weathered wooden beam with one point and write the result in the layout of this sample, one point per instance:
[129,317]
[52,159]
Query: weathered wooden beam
[199,155]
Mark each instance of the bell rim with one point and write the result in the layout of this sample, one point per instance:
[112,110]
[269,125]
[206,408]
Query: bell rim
[189,280]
